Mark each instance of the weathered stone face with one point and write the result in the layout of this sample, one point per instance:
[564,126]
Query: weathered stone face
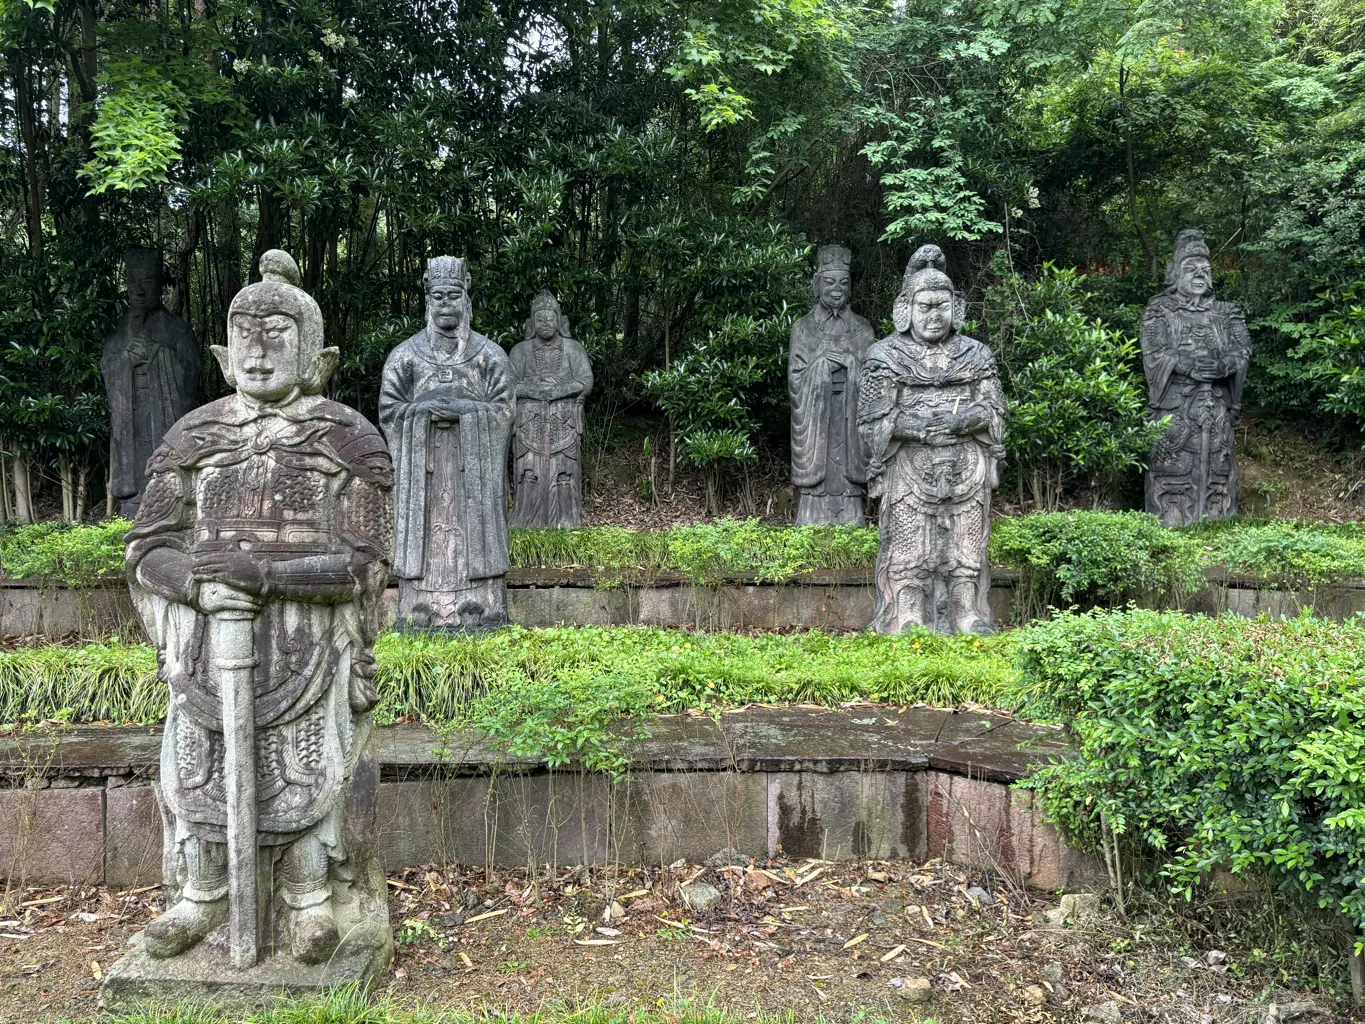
[553,378]
[825,357]
[1195,351]
[258,562]
[932,414]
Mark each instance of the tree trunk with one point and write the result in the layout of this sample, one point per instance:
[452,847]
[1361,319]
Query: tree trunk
[82,486]
[33,182]
[1143,237]
[68,488]
[23,489]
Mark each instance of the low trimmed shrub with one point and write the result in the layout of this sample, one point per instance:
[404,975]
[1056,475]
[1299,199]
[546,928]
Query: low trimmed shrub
[1208,743]
[1095,559]
[76,555]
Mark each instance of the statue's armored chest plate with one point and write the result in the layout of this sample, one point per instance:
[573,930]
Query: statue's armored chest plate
[271,503]
[940,478]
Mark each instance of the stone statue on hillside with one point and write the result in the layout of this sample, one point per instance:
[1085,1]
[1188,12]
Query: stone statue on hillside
[1195,349]
[258,563]
[446,403]
[932,413]
[553,377]
[824,366]
[151,374]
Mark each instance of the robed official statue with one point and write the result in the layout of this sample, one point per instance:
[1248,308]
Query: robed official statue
[258,563]
[553,378]
[151,369]
[824,367]
[1195,349]
[932,412]
[446,404]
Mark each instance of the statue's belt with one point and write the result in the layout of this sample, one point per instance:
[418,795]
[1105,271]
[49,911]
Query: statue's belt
[273,539]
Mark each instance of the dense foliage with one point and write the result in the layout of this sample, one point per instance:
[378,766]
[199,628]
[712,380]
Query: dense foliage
[1096,558]
[667,167]
[1209,744]
[553,692]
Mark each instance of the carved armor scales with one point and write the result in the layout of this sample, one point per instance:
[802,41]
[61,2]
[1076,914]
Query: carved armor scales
[281,490]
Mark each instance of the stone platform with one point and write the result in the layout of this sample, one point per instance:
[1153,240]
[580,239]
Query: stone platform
[136,980]
[871,782]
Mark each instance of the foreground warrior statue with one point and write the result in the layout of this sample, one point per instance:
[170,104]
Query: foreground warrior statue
[828,345]
[151,375]
[932,412]
[258,562]
[446,404]
[1195,349]
[553,377]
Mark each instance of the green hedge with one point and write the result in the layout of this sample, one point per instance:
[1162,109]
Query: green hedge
[1209,743]
[1065,558]
[555,692]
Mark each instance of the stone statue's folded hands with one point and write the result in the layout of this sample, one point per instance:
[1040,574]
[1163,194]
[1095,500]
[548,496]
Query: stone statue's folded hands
[235,569]
[219,597]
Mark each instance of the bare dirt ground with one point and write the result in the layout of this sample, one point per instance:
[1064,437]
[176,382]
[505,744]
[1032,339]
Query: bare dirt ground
[903,941]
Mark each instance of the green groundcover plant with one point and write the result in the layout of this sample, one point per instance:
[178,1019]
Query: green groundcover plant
[555,693]
[1208,744]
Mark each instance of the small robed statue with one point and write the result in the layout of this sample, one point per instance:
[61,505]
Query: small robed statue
[446,403]
[824,366]
[932,412]
[1195,349]
[258,563]
[151,369]
[553,378]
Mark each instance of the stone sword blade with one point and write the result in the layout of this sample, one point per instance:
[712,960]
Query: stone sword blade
[234,649]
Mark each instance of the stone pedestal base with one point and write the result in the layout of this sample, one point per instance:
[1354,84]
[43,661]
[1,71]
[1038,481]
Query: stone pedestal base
[203,976]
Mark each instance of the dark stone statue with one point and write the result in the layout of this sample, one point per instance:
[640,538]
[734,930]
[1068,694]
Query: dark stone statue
[446,403]
[553,377]
[1195,349]
[151,374]
[258,563]
[932,413]
[824,366]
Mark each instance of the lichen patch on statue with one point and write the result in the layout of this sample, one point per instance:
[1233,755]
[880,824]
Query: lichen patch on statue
[932,414]
[258,562]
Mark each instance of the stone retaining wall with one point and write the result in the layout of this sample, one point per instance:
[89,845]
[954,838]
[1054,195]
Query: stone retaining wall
[836,602]
[873,783]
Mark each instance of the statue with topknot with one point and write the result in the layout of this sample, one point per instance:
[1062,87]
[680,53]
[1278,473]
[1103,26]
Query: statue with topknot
[446,402]
[1195,350]
[553,378]
[824,367]
[258,563]
[931,411]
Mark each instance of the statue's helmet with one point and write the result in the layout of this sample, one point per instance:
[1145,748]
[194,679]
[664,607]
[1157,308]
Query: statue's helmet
[1190,242]
[143,260]
[926,271]
[545,300]
[278,293]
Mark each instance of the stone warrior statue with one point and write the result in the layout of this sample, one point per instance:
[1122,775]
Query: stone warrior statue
[932,412]
[1195,350]
[446,404]
[553,377]
[258,562]
[824,365]
[151,374]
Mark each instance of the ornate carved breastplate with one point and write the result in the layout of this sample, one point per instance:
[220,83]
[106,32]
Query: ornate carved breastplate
[266,506]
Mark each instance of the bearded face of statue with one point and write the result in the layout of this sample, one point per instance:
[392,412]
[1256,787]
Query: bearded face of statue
[832,288]
[931,315]
[1194,277]
[263,353]
[546,324]
[446,304]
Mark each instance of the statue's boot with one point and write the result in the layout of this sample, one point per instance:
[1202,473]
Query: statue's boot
[963,615]
[313,933]
[183,926]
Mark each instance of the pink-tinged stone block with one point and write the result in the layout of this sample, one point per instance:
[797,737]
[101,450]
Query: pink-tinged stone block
[52,836]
